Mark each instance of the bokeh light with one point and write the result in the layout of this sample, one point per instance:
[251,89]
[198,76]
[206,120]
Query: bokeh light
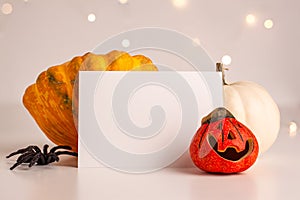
[179,3]
[268,24]
[92,17]
[250,19]
[123,1]
[125,43]
[7,8]
[226,60]
[293,129]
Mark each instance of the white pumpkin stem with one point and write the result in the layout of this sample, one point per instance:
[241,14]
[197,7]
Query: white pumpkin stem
[220,68]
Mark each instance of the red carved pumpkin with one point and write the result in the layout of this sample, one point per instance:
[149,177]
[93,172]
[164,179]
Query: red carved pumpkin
[223,145]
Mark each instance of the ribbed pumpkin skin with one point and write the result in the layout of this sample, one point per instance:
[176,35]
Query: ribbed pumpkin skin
[50,99]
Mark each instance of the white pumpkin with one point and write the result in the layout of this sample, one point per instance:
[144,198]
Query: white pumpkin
[252,105]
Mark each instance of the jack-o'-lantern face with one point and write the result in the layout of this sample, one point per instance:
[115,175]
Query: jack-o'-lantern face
[223,145]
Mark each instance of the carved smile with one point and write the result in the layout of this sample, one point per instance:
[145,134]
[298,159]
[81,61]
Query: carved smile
[231,153]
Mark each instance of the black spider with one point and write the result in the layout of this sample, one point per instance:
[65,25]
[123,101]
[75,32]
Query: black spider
[33,154]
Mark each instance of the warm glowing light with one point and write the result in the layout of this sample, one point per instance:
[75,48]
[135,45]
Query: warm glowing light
[7,8]
[250,19]
[92,17]
[123,1]
[196,42]
[125,43]
[226,60]
[268,24]
[293,129]
[179,3]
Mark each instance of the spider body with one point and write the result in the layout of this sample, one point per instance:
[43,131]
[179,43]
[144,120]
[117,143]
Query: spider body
[34,155]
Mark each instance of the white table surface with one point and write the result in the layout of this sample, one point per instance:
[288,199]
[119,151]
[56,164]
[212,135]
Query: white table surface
[275,175]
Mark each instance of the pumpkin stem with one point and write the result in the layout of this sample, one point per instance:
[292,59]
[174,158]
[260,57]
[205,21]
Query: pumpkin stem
[217,114]
[220,68]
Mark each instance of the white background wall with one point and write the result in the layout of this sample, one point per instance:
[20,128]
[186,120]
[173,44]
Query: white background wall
[39,34]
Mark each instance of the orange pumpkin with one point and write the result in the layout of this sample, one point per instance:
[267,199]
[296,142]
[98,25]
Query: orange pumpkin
[223,145]
[50,100]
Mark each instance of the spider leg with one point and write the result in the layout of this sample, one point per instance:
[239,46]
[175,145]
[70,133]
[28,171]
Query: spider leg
[35,158]
[60,147]
[45,149]
[22,159]
[67,153]
[37,149]
[15,165]
[42,160]
[52,158]
[20,151]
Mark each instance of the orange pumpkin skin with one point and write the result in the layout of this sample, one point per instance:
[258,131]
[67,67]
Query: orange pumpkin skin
[223,145]
[51,100]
